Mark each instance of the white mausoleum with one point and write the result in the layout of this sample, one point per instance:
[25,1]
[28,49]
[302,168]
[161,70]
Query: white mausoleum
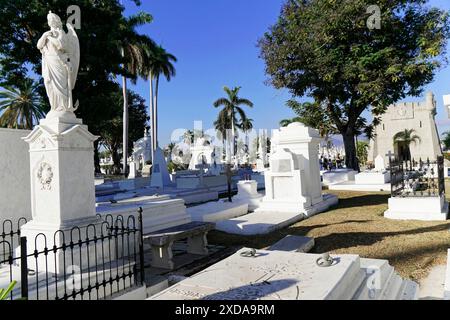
[408,115]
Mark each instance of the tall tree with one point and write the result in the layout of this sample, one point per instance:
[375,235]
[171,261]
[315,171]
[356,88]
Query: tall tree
[168,151]
[161,65]
[231,116]
[111,130]
[21,108]
[134,50]
[325,50]
[362,151]
[102,30]
[313,115]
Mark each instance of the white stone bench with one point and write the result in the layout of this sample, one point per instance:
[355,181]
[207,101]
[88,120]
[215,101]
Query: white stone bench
[161,242]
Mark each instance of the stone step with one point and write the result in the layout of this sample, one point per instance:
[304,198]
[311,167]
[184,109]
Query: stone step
[410,291]
[393,288]
[353,284]
[377,273]
[383,283]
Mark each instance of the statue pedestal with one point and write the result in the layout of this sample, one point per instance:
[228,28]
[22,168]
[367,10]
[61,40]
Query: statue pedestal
[62,187]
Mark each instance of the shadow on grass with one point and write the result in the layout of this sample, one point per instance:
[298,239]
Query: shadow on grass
[363,200]
[327,243]
[265,240]
[336,241]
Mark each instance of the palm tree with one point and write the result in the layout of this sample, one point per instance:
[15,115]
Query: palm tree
[171,147]
[21,107]
[134,50]
[221,125]
[402,141]
[188,137]
[228,116]
[161,64]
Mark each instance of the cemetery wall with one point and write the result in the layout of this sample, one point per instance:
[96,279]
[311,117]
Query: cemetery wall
[15,198]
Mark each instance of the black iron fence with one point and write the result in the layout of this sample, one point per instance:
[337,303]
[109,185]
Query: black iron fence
[10,236]
[417,178]
[94,261]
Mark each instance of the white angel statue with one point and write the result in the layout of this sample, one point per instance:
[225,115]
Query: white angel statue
[60,62]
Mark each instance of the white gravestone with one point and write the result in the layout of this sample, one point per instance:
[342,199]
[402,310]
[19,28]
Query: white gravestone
[132,174]
[248,193]
[160,177]
[293,181]
[280,275]
[376,177]
[379,164]
[337,176]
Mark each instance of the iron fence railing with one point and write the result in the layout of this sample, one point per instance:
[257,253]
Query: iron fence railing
[417,178]
[89,262]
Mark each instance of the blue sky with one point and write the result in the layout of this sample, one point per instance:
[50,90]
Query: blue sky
[215,43]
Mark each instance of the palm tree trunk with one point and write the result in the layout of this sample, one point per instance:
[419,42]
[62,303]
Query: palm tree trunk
[152,116]
[156,110]
[125,127]
[233,142]
[125,122]
[247,147]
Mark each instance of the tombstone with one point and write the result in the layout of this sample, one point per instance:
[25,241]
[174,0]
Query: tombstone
[132,173]
[379,164]
[251,274]
[293,180]
[248,192]
[160,177]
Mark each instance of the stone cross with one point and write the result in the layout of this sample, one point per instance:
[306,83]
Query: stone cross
[390,155]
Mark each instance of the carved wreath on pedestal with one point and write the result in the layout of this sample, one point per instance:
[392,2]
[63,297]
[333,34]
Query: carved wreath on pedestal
[45,175]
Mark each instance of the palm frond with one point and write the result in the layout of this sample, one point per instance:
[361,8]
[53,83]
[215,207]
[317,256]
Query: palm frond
[246,102]
[222,102]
